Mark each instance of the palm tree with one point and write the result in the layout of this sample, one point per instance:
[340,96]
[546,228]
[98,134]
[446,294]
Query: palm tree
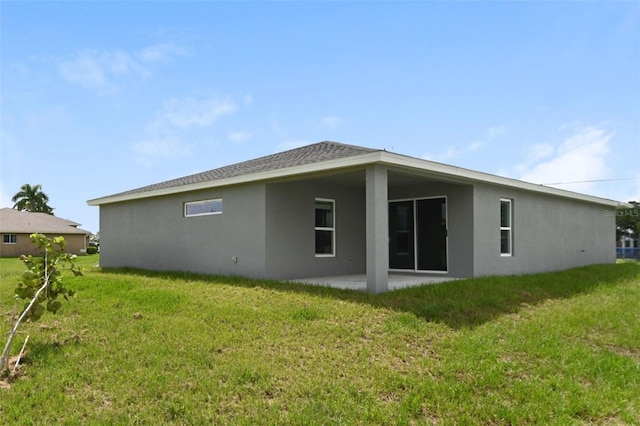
[32,199]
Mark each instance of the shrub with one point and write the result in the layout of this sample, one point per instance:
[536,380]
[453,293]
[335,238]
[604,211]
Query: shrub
[92,250]
[41,284]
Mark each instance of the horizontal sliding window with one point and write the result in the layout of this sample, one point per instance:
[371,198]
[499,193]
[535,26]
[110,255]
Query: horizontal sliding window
[202,208]
[10,239]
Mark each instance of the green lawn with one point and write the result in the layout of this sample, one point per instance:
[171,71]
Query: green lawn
[153,348]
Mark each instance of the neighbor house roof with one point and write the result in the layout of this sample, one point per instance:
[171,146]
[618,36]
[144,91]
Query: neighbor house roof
[323,157]
[19,222]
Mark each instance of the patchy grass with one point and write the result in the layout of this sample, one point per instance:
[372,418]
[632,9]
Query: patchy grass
[173,348]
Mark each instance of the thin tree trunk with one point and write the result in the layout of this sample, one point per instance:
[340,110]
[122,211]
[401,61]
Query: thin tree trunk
[20,354]
[7,348]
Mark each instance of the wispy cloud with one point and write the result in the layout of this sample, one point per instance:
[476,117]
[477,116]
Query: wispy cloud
[494,132]
[162,52]
[176,119]
[540,151]
[151,150]
[452,152]
[578,159]
[238,136]
[99,70]
[331,122]
[85,70]
[247,100]
[196,112]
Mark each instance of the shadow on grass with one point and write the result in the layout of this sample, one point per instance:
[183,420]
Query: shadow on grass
[458,304]
[43,351]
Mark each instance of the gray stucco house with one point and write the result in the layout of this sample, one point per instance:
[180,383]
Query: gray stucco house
[335,209]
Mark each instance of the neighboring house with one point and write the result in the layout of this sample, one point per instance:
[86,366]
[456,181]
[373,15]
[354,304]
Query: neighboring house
[628,248]
[334,209]
[16,226]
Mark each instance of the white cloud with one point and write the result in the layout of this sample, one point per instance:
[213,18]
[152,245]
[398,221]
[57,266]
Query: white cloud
[579,158]
[541,150]
[196,112]
[163,52]
[122,63]
[85,69]
[330,122]
[627,190]
[149,151]
[97,70]
[494,132]
[474,146]
[452,152]
[247,100]
[276,127]
[238,136]
[178,120]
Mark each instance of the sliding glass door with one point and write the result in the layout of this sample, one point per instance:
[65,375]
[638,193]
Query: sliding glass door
[401,235]
[418,234]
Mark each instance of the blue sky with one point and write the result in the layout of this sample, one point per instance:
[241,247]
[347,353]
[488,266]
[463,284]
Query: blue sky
[102,97]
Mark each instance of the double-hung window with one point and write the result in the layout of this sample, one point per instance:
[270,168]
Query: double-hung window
[10,239]
[506,227]
[325,228]
[202,208]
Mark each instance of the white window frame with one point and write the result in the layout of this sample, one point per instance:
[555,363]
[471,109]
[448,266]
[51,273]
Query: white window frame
[509,228]
[213,212]
[326,228]
[12,239]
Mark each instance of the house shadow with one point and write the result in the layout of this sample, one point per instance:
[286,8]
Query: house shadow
[457,304]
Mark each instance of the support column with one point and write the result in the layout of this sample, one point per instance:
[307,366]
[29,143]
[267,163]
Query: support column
[377,229]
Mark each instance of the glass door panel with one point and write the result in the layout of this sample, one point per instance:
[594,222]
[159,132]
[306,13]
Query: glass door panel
[401,235]
[431,234]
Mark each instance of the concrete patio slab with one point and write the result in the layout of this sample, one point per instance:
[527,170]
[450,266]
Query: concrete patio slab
[359,282]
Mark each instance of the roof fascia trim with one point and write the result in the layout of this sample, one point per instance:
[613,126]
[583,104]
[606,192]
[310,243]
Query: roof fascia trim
[339,163]
[474,176]
[383,157]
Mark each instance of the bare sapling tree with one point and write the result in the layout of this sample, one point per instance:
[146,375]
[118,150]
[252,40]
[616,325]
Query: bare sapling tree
[41,284]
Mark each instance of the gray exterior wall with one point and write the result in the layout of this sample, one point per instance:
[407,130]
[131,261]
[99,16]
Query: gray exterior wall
[290,230]
[460,223]
[550,233]
[154,234]
[269,230]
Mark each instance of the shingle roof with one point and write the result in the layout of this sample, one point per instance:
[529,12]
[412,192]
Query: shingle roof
[20,222]
[323,156]
[315,153]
